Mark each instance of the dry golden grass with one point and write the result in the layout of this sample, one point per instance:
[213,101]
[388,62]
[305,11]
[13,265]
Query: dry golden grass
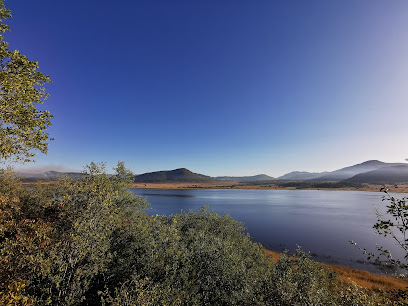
[274,256]
[361,278]
[369,280]
[237,185]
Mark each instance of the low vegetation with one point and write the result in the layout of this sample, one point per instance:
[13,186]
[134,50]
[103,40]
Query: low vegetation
[89,241]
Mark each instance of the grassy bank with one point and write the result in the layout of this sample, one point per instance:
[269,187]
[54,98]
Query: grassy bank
[361,278]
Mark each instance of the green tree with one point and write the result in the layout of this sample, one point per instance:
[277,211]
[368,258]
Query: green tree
[22,125]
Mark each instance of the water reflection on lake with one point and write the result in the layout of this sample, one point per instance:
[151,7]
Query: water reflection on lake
[322,222]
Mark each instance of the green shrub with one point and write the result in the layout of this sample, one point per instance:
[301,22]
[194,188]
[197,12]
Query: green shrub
[195,259]
[56,238]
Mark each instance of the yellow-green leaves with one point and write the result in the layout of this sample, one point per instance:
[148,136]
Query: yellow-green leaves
[22,125]
[4,14]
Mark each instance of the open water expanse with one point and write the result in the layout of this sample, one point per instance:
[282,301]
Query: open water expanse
[321,222]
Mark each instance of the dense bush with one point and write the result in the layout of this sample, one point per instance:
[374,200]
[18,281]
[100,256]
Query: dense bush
[198,259]
[90,242]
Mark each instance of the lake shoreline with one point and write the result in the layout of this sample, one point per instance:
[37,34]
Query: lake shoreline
[237,185]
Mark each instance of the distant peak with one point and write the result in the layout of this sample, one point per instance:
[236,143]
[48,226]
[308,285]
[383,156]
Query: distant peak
[182,170]
[180,175]
[373,161]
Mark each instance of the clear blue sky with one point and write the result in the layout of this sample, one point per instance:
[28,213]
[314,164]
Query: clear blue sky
[220,87]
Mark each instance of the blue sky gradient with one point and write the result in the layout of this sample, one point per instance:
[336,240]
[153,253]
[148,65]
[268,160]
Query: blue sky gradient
[220,87]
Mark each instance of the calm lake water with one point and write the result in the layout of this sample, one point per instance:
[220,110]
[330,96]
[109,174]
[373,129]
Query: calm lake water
[321,222]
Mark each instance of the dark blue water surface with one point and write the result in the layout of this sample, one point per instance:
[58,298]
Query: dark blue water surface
[321,222]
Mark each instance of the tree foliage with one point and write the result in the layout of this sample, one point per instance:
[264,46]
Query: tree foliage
[22,125]
[56,239]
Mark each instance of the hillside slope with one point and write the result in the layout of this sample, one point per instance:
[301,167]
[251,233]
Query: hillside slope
[177,175]
[348,172]
[386,175]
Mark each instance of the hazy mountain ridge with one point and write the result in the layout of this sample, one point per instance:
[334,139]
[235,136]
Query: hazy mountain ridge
[376,171]
[253,178]
[348,172]
[48,175]
[395,174]
[301,175]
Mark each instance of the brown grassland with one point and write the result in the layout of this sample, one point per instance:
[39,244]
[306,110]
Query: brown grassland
[401,188]
[236,185]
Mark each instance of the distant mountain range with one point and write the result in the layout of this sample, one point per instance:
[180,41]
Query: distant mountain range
[369,172]
[356,174]
[348,172]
